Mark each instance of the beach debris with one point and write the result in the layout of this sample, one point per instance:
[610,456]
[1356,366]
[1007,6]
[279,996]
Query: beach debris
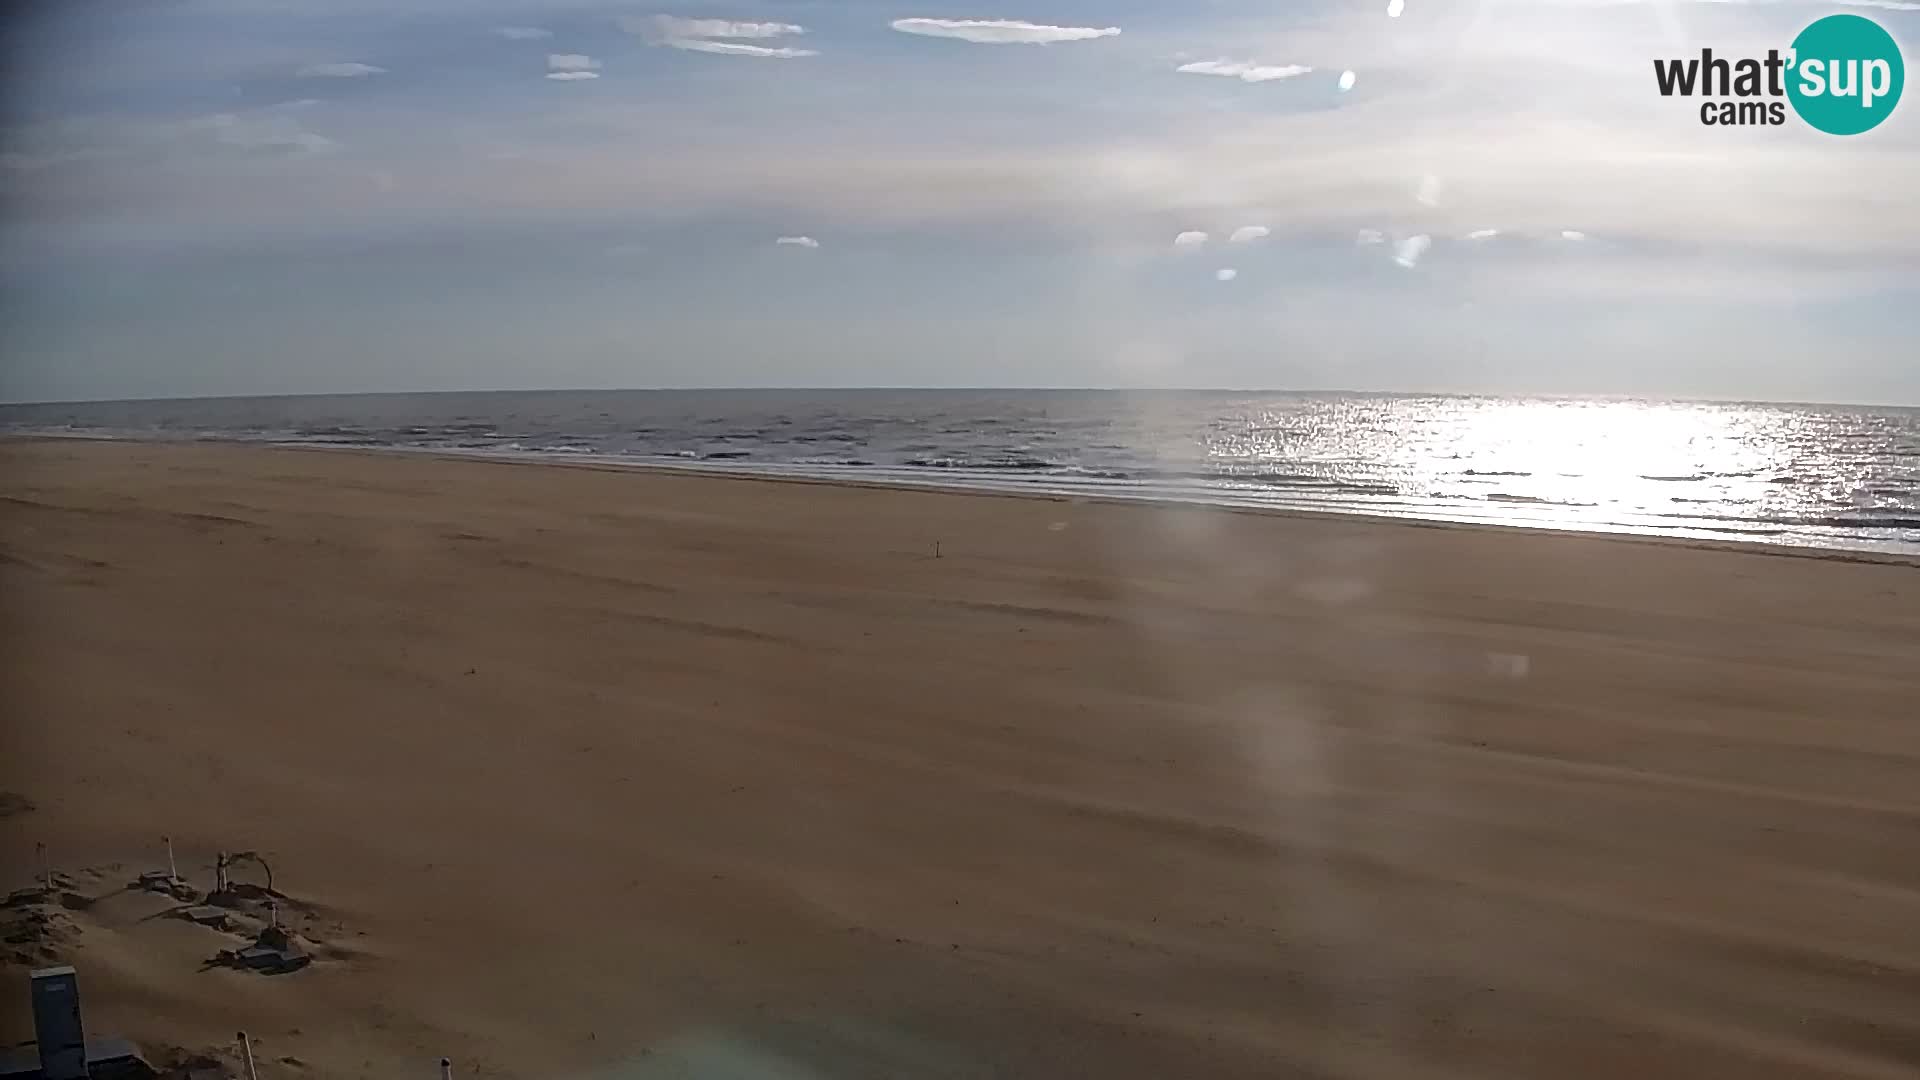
[276,950]
[38,935]
[246,1055]
[175,1063]
[51,887]
[168,881]
[224,884]
[207,915]
[60,1049]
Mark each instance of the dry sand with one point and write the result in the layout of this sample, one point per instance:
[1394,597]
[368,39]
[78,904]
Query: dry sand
[597,773]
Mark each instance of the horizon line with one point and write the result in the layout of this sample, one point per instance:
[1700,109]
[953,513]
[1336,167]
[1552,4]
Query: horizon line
[1536,396]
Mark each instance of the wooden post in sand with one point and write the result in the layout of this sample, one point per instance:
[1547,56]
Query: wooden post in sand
[173,871]
[246,1054]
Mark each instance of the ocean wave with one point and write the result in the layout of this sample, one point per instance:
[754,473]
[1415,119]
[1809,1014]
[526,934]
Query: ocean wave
[1291,480]
[1867,521]
[983,464]
[1688,479]
[1531,500]
[1493,472]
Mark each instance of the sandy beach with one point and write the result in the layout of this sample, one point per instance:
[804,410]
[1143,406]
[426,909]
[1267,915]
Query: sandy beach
[591,773]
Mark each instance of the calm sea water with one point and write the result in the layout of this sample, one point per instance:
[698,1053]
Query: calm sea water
[1822,476]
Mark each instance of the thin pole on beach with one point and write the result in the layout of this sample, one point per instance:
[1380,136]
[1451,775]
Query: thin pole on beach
[246,1054]
[446,1069]
[173,870]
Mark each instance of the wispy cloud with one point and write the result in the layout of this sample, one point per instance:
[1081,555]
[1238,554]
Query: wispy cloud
[1247,234]
[1225,273]
[272,130]
[702,35]
[1190,238]
[734,48]
[571,62]
[522,33]
[667,26]
[797,241]
[1001,31]
[1483,234]
[1410,250]
[572,76]
[1245,72]
[347,70]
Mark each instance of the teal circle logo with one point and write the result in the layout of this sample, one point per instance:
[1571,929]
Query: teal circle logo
[1846,74]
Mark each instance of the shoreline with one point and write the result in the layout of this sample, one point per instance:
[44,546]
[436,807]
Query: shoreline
[734,471]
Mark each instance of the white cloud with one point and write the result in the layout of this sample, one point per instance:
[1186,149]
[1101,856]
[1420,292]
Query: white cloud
[732,48]
[1370,236]
[268,130]
[1483,234]
[700,35]
[1245,72]
[572,76]
[1395,7]
[1410,250]
[669,26]
[1346,80]
[571,62]
[522,33]
[1572,234]
[1225,273]
[798,241]
[1247,234]
[1190,238]
[1000,31]
[349,70]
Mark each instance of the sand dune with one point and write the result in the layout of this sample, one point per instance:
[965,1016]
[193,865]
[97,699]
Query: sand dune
[598,773]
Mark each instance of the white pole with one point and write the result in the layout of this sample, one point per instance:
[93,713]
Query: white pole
[173,871]
[246,1054]
[446,1069]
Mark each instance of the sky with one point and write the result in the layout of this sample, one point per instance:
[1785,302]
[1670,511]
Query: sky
[214,197]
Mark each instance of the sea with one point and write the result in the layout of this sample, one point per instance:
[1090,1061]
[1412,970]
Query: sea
[1821,476]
